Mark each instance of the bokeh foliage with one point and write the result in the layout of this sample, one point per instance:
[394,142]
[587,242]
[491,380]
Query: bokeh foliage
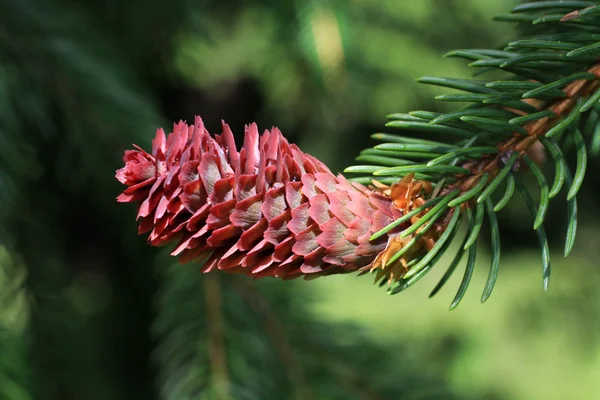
[89,311]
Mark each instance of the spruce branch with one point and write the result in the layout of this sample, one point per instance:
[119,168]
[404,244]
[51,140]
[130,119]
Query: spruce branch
[546,110]
[271,210]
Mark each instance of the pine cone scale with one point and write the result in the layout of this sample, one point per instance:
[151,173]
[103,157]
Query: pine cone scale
[267,210]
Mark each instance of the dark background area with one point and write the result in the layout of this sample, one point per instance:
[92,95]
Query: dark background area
[89,311]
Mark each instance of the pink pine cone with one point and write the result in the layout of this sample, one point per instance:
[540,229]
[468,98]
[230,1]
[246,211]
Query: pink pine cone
[267,210]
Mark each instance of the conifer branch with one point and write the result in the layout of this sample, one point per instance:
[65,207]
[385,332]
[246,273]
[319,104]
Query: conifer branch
[272,210]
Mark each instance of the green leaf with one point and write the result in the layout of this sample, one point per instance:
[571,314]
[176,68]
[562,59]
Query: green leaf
[431,219]
[469,194]
[542,210]
[450,229]
[428,169]
[362,169]
[590,102]
[476,54]
[591,118]
[468,85]
[471,112]
[571,218]
[546,268]
[462,97]
[543,44]
[497,126]
[586,24]
[510,189]
[381,160]
[476,226]
[468,54]
[571,37]
[428,115]
[581,163]
[441,206]
[505,100]
[548,5]
[469,151]
[367,180]
[559,83]
[520,62]
[532,117]
[425,127]
[406,217]
[422,147]
[550,94]
[495,264]
[589,10]
[404,139]
[405,117]
[499,178]
[595,145]
[405,283]
[540,56]
[539,75]
[562,125]
[514,85]
[412,154]
[464,284]
[559,164]
[592,48]
[455,260]
[375,152]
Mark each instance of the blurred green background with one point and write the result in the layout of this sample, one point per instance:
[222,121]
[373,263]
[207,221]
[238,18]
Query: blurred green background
[89,311]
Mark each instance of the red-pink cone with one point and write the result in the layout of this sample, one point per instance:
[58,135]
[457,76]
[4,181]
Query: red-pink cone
[267,210]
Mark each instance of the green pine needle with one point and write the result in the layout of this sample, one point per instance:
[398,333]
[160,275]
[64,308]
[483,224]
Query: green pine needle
[441,206]
[494,125]
[559,165]
[572,217]
[546,270]
[581,163]
[590,102]
[469,194]
[542,209]
[383,137]
[406,217]
[476,226]
[382,160]
[430,218]
[510,190]
[592,48]
[559,83]
[551,5]
[472,152]
[497,181]
[455,261]
[464,284]
[427,128]
[471,112]
[553,55]
[495,264]
[532,117]
[565,123]
[452,225]
[428,169]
